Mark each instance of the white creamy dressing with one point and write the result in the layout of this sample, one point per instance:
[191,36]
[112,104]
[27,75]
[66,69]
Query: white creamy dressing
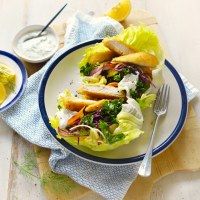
[132,107]
[37,48]
[63,116]
[128,82]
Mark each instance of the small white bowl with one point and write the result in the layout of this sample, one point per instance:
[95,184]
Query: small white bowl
[35,50]
[13,63]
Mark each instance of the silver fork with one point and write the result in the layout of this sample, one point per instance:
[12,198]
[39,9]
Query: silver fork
[160,108]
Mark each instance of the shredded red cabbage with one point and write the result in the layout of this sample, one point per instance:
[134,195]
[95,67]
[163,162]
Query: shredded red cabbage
[142,76]
[68,133]
[119,67]
[97,71]
[108,65]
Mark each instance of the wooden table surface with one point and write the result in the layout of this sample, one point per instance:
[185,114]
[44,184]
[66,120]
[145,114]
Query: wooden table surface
[179,24]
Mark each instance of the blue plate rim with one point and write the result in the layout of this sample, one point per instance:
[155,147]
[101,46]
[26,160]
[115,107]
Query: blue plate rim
[24,78]
[101,160]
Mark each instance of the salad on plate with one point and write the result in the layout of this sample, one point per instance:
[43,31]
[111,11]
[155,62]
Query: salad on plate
[120,76]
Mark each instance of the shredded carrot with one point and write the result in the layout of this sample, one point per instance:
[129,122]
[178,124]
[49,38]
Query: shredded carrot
[114,84]
[76,117]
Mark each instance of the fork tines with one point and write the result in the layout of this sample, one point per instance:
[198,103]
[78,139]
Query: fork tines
[162,98]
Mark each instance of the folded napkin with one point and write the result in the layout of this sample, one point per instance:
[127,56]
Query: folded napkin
[112,182]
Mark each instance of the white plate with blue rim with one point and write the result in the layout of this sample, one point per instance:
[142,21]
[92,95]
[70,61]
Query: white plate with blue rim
[63,73]
[13,63]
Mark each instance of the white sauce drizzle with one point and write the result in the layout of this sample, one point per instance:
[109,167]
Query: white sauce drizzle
[133,108]
[63,116]
[128,82]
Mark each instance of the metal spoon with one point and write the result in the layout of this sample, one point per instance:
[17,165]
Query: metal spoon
[40,33]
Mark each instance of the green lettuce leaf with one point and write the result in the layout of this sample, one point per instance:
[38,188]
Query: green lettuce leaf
[54,122]
[95,80]
[61,98]
[89,56]
[141,38]
[146,100]
[128,127]
[91,143]
[129,120]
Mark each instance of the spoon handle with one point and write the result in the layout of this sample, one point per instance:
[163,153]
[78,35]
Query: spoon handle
[51,20]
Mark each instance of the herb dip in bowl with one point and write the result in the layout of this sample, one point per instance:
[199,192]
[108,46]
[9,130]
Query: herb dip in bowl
[35,49]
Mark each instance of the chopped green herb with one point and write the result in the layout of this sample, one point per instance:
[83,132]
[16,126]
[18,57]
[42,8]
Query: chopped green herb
[7,78]
[59,107]
[71,82]
[103,126]
[86,70]
[116,78]
[134,94]
[57,182]
[11,86]
[110,109]
[28,166]
[126,71]
[141,87]
[88,120]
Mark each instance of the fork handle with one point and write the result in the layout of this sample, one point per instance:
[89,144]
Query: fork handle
[145,167]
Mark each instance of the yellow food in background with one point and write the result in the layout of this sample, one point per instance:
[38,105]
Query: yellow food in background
[121,11]
[7,82]
[2,93]
[6,74]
